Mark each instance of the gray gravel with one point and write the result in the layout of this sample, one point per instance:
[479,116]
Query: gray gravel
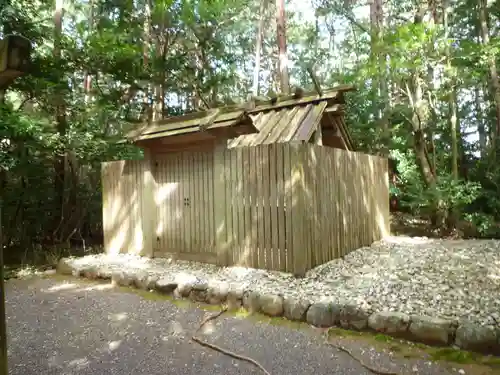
[453,280]
[77,327]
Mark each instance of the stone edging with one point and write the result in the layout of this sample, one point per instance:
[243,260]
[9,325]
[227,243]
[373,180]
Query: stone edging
[428,330]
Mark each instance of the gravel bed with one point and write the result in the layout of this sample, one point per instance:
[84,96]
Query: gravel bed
[454,280]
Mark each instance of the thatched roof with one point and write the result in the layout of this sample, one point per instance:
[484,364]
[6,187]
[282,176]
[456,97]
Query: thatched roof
[260,121]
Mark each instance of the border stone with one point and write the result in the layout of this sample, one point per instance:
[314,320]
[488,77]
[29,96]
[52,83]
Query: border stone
[391,323]
[432,330]
[271,304]
[235,297]
[122,278]
[352,316]
[482,339]
[185,284]
[295,308]
[64,266]
[217,292]
[251,301]
[145,281]
[324,313]
[104,273]
[90,272]
[165,285]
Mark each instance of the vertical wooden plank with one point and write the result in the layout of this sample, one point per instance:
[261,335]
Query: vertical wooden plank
[160,203]
[273,208]
[242,255]
[309,213]
[352,202]
[190,208]
[177,202]
[235,186]
[260,206]
[317,243]
[337,218]
[288,185]
[266,207]
[364,192]
[246,179]
[242,208]
[254,247]
[198,212]
[341,196]
[208,215]
[363,208]
[220,208]
[170,217]
[281,214]
[194,182]
[210,201]
[324,202]
[347,202]
[131,199]
[211,198]
[181,216]
[300,246]
[356,215]
[331,203]
[147,205]
[385,198]
[179,206]
[202,213]
[185,208]
[230,191]
[244,215]
[347,179]
[108,194]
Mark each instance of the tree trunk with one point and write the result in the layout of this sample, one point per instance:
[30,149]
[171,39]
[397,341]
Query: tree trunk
[380,87]
[481,129]
[494,81]
[145,57]
[452,112]
[161,51]
[282,60]
[87,79]
[258,46]
[61,127]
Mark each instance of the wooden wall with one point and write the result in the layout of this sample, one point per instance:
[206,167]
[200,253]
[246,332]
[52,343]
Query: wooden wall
[286,207]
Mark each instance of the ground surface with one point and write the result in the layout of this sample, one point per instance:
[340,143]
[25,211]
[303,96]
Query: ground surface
[70,327]
[451,279]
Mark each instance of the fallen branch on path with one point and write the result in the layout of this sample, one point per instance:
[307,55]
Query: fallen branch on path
[359,360]
[222,350]
[257,364]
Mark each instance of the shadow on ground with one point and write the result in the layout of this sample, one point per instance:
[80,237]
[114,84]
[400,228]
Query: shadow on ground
[70,326]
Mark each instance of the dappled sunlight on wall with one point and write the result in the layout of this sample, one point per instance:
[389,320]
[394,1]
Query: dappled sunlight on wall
[184,203]
[164,193]
[285,207]
[122,206]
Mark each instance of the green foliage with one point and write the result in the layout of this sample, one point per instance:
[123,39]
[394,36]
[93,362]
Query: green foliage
[204,49]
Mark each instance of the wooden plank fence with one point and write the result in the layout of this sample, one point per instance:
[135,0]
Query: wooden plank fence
[285,207]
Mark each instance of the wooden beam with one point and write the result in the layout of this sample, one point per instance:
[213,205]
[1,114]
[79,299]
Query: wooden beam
[345,131]
[335,108]
[315,80]
[208,121]
[298,92]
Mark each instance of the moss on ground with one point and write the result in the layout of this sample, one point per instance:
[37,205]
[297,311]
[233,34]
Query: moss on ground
[409,349]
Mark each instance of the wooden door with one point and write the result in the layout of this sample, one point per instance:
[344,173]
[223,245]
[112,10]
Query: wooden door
[185,205]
